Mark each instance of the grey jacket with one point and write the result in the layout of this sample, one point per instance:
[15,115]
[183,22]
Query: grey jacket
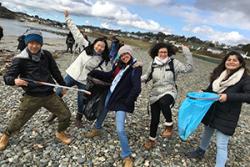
[163,80]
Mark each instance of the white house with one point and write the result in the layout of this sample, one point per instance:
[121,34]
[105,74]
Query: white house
[244,55]
[88,30]
[214,51]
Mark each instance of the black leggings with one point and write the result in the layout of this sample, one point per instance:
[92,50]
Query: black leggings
[163,104]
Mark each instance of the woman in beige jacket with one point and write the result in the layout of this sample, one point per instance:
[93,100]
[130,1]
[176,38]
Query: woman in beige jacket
[163,72]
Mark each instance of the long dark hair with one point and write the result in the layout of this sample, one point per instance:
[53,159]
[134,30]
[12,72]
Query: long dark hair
[221,67]
[153,52]
[105,54]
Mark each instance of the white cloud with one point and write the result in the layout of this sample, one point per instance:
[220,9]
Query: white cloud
[188,14]
[47,5]
[100,9]
[228,14]
[232,38]
[105,25]
[224,6]
[144,2]
[230,19]
[87,22]
[205,30]
[225,13]
[122,16]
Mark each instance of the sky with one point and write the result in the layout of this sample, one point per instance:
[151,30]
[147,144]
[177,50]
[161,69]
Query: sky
[225,21]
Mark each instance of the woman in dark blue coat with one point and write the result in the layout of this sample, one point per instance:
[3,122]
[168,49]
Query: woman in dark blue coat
[232,82]
[121,97]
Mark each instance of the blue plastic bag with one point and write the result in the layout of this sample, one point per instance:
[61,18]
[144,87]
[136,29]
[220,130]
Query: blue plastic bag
[192,110]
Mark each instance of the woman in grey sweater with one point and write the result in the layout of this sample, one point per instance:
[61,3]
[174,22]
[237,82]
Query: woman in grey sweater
[163,72]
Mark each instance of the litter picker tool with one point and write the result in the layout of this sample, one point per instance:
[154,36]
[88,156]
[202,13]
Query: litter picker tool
[55,85]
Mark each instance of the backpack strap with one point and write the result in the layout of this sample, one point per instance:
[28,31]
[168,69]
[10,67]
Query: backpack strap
[99,65]
[150,74]
[171,65]
[171,68]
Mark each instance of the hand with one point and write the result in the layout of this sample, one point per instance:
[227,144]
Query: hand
[20,82]
[66,13]
[223,98]
[64,91]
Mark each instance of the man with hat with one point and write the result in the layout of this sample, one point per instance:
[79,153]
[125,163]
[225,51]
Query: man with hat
[34,63]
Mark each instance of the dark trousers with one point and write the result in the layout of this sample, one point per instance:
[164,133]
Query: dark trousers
[163,104]
[70,47]
[30,105]
[81,99]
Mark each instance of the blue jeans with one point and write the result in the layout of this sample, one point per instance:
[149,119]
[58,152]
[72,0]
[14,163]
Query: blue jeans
[221,144]
[120,117]
[69,81]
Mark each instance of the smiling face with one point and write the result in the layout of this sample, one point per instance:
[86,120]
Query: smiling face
[99,47]
[232,63]
[163,53]
[34,47]
[125,57]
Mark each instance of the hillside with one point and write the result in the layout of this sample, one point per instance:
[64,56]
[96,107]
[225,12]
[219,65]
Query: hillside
[6,13]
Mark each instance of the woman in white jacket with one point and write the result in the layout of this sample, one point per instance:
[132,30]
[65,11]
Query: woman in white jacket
[92,57]
[163,72]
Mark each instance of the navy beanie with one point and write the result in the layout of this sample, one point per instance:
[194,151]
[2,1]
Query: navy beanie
[33,35]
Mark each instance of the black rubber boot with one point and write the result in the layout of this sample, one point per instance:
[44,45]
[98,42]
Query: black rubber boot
[198,153]
[78,121]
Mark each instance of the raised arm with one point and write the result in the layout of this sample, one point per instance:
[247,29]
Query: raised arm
[188,66]
[80,40]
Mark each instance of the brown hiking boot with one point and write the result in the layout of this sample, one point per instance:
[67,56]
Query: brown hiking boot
[128,162]
[4,140]
[51,118]
[149,144]
[168,132]
[93,133]
[62,137]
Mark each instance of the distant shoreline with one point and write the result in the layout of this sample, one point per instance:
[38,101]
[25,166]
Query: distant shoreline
[208,58]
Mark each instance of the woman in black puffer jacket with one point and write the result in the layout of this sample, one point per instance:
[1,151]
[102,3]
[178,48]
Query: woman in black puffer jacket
[232,82]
